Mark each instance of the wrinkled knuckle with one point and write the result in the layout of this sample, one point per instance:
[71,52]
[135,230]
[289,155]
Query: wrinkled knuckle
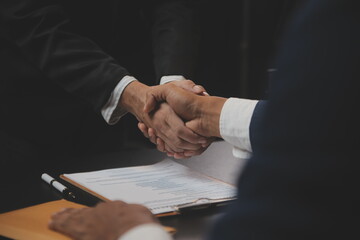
[188,81]
[178,143]
[174,149]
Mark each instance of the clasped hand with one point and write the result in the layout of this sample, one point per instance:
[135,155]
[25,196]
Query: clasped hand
[185,100]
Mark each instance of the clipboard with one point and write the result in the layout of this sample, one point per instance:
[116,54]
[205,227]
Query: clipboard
[203,203]
[184,206]
[197,204]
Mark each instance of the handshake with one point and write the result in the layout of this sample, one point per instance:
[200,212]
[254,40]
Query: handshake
[179,117]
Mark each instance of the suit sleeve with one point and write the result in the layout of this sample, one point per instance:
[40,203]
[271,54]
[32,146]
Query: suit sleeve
[258,114]
[74,63]
[175,37]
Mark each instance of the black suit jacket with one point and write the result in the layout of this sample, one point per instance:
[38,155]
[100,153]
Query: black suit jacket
[301,181]
[60,61]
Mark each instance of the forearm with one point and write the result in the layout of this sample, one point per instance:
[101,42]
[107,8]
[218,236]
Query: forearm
[209,109]
[229,119]
[133,98]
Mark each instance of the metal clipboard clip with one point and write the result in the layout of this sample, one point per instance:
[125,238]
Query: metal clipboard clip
[202,203]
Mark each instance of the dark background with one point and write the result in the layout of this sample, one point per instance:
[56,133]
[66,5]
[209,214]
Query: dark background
[238,42]
[237,45]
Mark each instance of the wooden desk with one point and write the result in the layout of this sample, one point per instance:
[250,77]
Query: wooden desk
[216,161]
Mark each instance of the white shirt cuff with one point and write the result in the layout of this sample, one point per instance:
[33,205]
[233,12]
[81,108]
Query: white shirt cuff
[234,126]
[166,79]
[150,231]
[240,153]
[111,112]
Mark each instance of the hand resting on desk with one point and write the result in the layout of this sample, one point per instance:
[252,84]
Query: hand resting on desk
[105,221]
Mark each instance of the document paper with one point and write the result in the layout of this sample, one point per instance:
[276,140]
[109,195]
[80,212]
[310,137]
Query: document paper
[160,187]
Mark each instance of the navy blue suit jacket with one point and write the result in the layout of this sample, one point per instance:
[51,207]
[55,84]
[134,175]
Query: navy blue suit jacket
[300,182]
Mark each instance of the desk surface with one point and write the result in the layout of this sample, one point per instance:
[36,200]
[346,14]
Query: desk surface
[217,161]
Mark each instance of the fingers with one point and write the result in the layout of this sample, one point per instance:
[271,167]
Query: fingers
[66,221]
[59,218]
[205,93]
[160,145]
[191,87]
[166,125]
[152,135]
[196,126]
[104,221]
[147,132]
[189,139]
[179,156]
[178,137]
[188,154]
[144,129]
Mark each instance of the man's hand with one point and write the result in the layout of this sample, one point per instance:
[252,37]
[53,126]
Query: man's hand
[106,221]
[162,147]
[160,144]
[201,113]
[168,126]
[191,87]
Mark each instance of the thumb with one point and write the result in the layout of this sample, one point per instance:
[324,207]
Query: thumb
[150,103]
[194,125]
[200,90]
[154,96]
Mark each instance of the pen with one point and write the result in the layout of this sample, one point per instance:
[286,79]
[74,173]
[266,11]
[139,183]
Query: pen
[64,190]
